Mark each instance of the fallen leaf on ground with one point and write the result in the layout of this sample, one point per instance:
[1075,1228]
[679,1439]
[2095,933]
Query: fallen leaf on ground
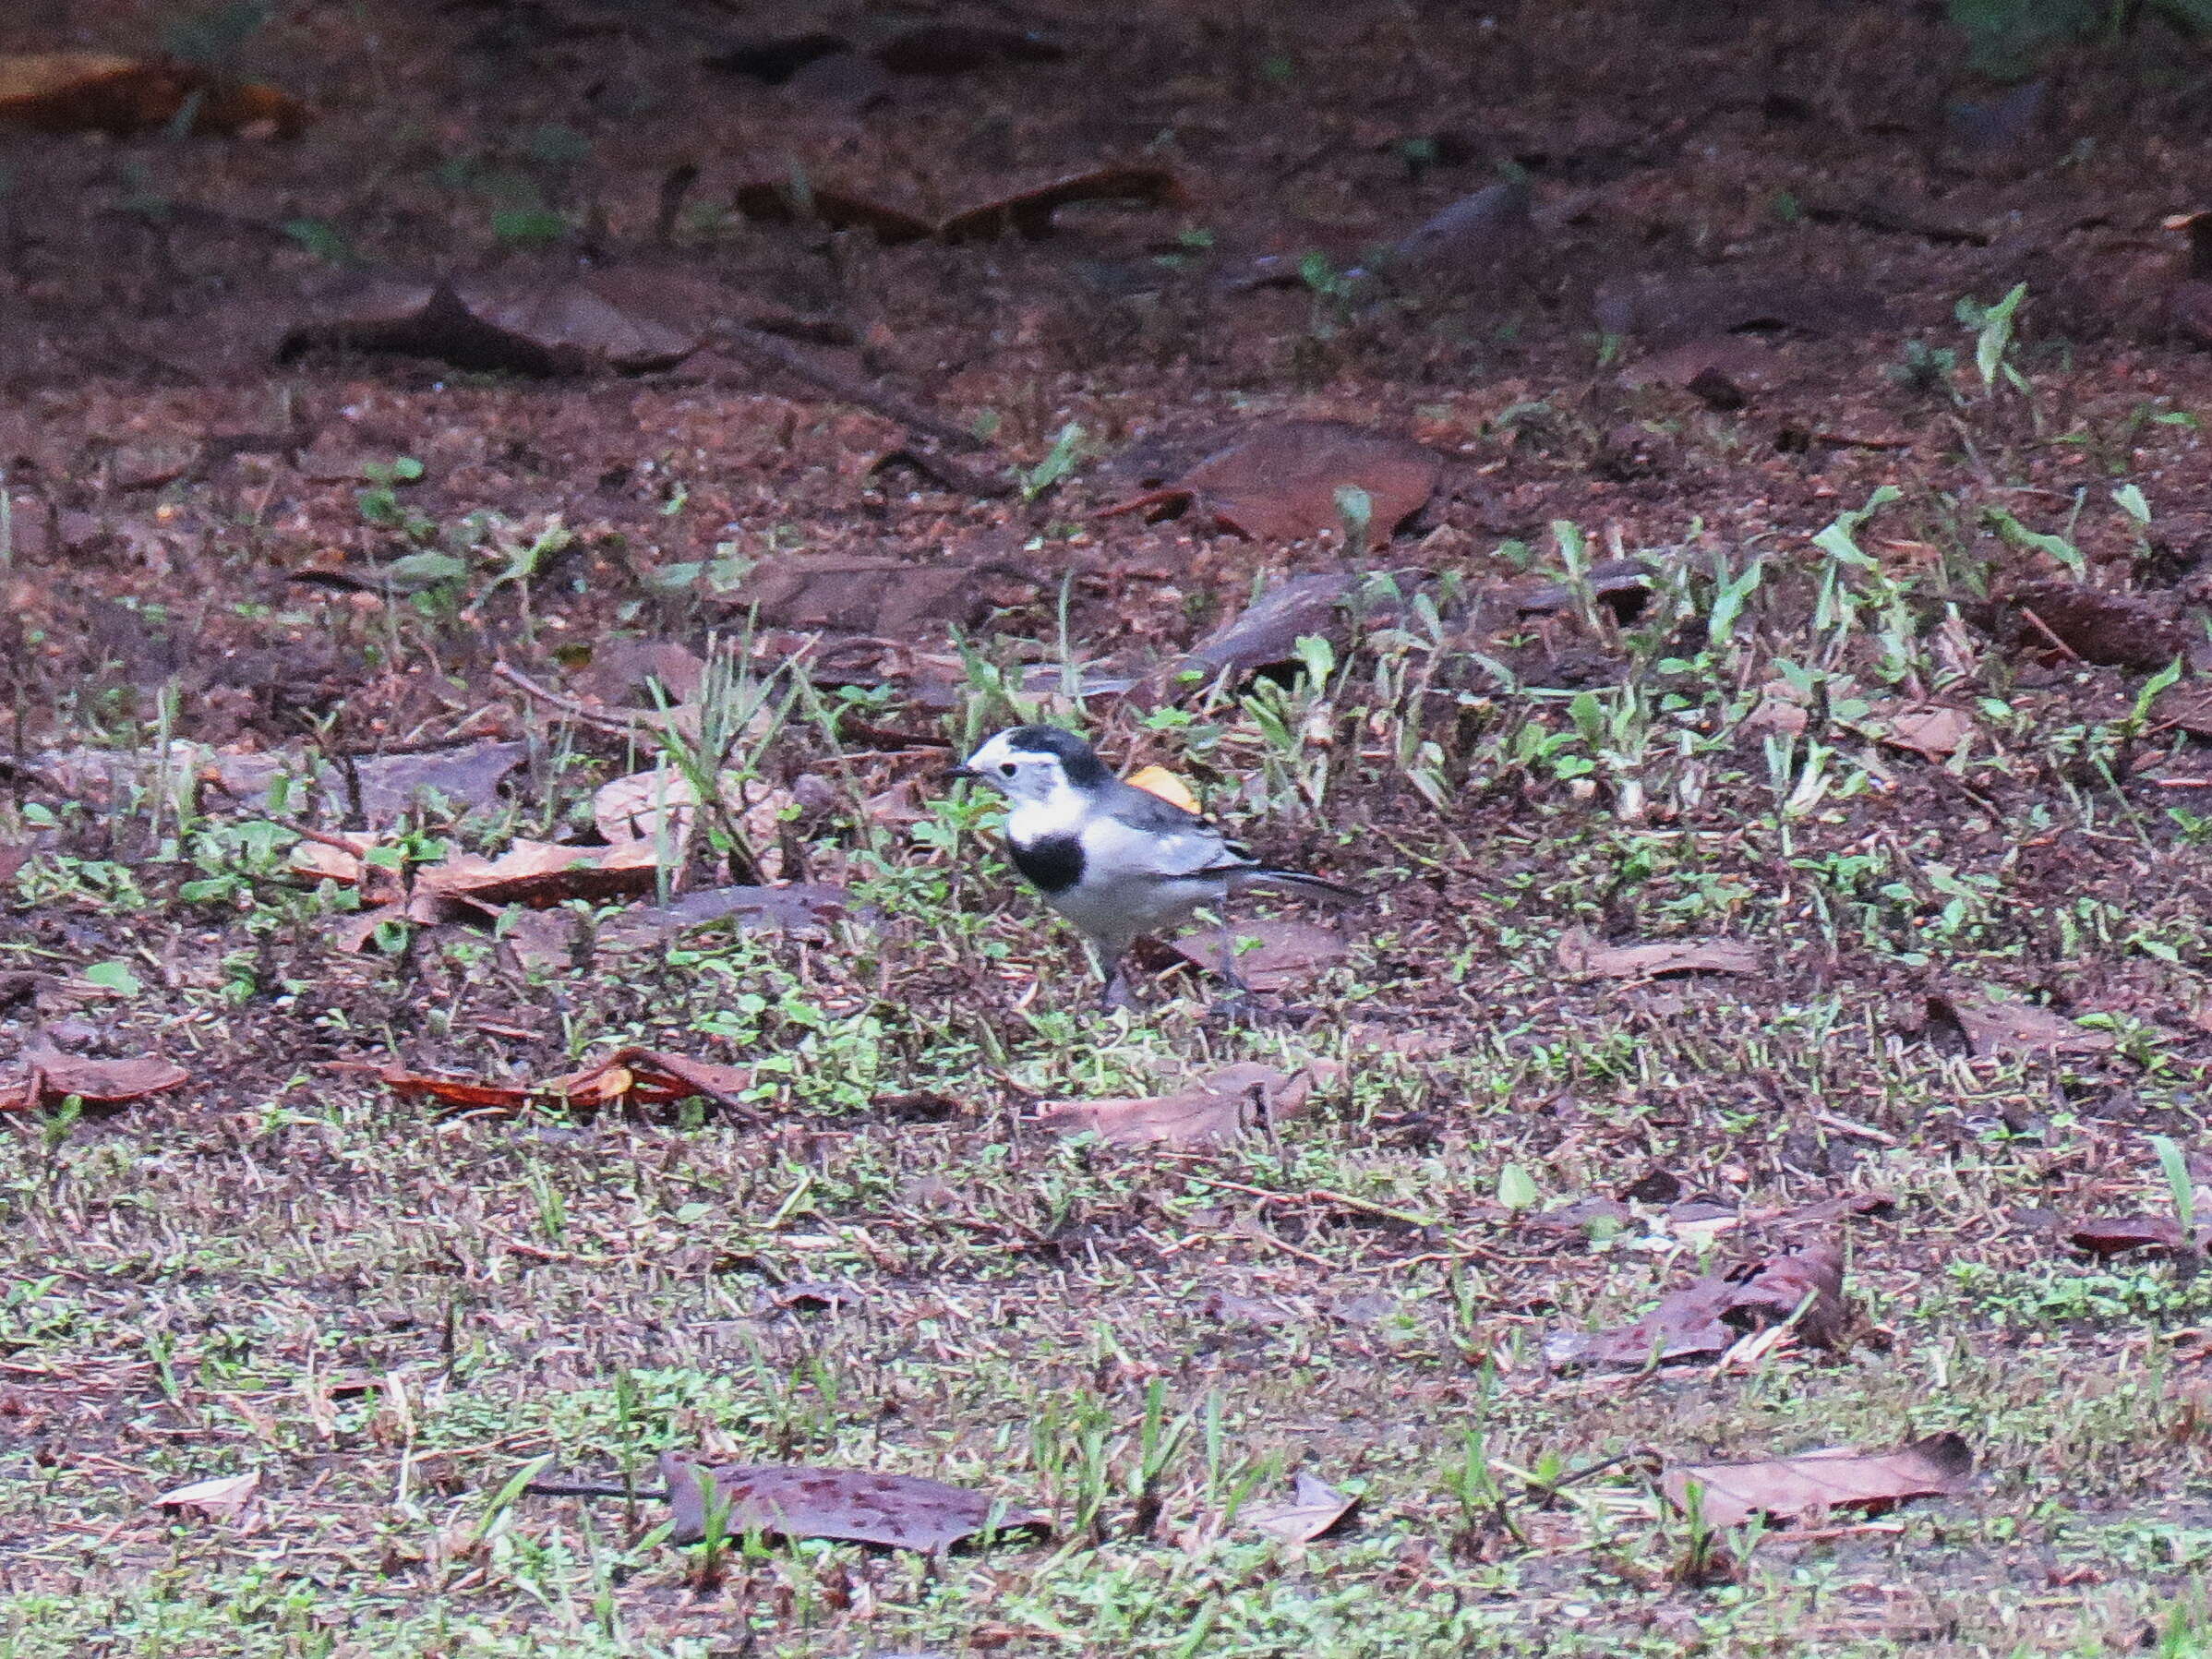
[1216,1110]
[792,905]
[1317,1509]
[1581,955]
[389,786]
[646,805]
[222,1497]
[2126,630]
[1264,635]
[531,319]
[1993,1027]
[1929,730]
[1725,371]
[2115,1235]
[1622,585]
[1028,213]
[1281,482]
[1805,1487]
[1290,954]
[885,597]
[633,1077]
[896,1512]
[45,1077]
[2187,706]
[544,872]
[92,91]
[1707,1317]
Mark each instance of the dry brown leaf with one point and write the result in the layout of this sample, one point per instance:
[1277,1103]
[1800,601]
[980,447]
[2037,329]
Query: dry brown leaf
[1994,1027]
[2115,1235]
[544,872]
[1581,955]
[1806,1488]
[1930,731]
[2098,625]
[1213,1111]
[646,805]
[1290,953]
[1707,1317]
[1315,1509]
[1279,483]
[92,91]
[536,319]
[47,1077]
[896,1511]
[633,1077]
[1029,212]
[221,1497]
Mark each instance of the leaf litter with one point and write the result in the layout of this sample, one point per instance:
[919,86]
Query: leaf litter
[44,1079]
[1710,1316]
[1287,482]
[789,1502]
[1217,1110]
[1809,1487]
[632,1077]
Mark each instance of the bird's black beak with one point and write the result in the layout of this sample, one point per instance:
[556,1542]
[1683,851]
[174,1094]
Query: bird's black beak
[953,774]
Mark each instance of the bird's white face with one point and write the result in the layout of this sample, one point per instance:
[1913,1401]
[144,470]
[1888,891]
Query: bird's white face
[1028,777]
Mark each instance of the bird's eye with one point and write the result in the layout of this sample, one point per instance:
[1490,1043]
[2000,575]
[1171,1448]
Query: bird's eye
[1006,768]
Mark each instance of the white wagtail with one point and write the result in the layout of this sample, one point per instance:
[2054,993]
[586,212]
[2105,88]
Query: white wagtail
[1116,860]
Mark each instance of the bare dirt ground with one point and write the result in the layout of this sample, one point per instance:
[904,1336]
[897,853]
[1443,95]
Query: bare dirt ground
[1746,622]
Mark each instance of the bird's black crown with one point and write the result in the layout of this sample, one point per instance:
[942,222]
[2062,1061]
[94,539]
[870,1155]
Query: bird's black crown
[1074,755]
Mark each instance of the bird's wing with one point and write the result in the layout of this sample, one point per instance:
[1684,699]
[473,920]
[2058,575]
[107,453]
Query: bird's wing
[1144,833]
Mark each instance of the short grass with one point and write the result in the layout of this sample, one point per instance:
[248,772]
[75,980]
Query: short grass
[388,1313]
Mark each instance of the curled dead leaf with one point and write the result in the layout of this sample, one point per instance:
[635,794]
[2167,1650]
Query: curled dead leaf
[1706,1317]
[632,1076]
[2115,1235]
[1026,212]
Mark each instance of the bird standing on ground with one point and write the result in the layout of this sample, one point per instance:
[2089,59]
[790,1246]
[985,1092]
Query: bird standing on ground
[1114,859]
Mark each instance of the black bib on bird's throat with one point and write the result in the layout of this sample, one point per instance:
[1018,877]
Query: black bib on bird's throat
[1052,862]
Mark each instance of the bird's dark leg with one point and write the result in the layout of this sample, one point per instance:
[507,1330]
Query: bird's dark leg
[1116,994]
[1235,979]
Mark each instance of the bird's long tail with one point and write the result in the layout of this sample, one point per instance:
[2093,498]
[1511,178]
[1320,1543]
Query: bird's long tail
[1298,881]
